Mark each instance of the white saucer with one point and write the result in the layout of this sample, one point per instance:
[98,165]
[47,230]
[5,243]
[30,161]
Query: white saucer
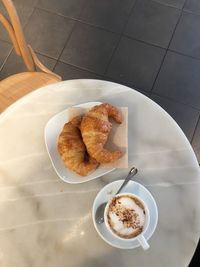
[132,187]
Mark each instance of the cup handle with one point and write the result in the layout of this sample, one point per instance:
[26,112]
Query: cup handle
[143,242]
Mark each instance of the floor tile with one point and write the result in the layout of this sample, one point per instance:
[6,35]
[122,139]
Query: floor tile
[70,8]
[185,116]
[152,22]
[24,9]
[187,35]
[196,260]
[111,79]
[47,33]
[196,142]
[89,48]
[15,64]
[174,3]
[136,63]
[111,15]
[68,72]
[179,79]
[193,6]
[5,49]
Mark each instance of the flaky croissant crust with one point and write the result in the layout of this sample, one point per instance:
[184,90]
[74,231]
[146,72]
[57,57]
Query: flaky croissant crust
[73,151]
[95,128]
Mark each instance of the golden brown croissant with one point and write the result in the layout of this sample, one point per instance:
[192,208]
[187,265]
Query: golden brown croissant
[72,149]
[95,128]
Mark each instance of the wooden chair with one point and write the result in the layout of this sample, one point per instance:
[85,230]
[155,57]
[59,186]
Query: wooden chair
[16,86]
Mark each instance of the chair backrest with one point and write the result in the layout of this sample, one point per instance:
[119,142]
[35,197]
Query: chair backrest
[14,29]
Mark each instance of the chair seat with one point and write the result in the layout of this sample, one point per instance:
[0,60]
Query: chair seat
[18,85]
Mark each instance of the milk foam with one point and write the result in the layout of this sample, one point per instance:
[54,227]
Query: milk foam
[127,203]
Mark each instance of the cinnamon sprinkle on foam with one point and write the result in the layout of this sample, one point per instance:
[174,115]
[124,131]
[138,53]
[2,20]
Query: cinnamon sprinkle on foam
[124,220]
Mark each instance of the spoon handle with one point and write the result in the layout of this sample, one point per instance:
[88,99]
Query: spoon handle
[131,173]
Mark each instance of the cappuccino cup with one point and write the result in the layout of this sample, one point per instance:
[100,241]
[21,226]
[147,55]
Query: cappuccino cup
[127,218]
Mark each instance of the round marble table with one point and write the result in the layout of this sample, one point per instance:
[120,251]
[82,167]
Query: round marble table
[47,222]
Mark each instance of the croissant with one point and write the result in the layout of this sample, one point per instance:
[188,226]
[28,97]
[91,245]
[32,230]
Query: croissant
[95,128]
[72,149]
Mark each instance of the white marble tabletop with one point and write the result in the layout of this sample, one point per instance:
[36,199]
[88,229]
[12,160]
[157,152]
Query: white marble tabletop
[47,222]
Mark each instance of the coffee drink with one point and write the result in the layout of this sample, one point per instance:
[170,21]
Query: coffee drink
[126,216]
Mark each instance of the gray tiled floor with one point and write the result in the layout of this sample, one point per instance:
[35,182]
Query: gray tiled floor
[111,15]
[150,45]
[89,48]
[179,79]
[50,43]
[135,63]
[152,22]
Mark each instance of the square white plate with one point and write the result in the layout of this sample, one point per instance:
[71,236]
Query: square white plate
[52,130]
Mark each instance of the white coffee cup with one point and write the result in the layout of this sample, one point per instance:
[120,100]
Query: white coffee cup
[140,237]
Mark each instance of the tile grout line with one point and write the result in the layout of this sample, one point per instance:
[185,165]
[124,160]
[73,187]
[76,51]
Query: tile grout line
[182,54]
[191,12]
[184,4]
[192,138]
[167,49]
[55,13]
[5,60]
[44,55]
[120,37]
[142,41]
[78,20]
[126,84]
[80,68]
[73,27]
[175,101]
[161,64]
[168,5]
[58,59]
[5,41]
[25,25]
